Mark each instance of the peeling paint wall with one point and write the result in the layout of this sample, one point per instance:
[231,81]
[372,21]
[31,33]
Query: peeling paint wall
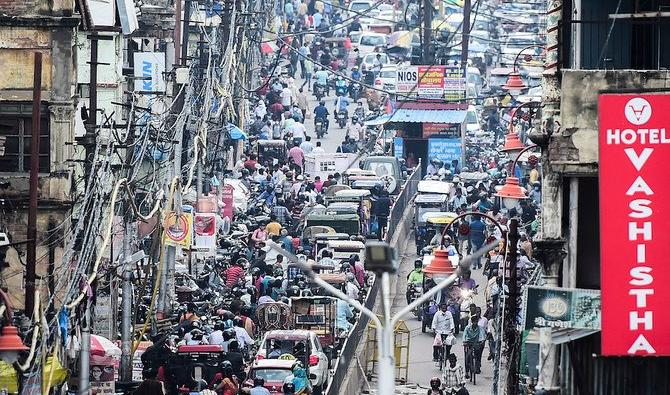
[577,146]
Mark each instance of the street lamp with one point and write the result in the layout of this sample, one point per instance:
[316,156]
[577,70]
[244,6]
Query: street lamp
[10,342]
[376,253]
[514,82]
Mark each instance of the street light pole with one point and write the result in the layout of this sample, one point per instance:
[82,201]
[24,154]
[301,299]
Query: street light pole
[384,330]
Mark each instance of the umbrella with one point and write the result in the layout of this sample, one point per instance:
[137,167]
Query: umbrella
[104,347]
[268,48]
[401,39]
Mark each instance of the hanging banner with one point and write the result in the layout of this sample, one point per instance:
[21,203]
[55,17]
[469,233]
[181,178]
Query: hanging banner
[149,67]
[228,202]
[634,206]
[445,150]
[204,226]
[398,147]
[430,82]
[178,229]
[549,307]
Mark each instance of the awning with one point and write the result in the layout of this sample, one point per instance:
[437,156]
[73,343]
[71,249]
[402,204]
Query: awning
[560,336]
[420,116]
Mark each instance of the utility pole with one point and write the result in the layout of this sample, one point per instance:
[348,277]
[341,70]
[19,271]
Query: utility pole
[166,288]
[125,371]
[427,32]
[34,170]
[84,355]
[465,34]
[508,381]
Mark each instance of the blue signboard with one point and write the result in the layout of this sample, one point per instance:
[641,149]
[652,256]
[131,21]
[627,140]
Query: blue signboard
[445,149]
[398,147]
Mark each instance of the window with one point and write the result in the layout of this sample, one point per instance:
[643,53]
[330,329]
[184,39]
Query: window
[373,40]
[15,137]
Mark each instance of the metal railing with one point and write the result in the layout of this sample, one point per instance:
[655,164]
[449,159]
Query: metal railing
[348,351]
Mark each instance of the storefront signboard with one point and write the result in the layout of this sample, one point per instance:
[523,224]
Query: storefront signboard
[634,217]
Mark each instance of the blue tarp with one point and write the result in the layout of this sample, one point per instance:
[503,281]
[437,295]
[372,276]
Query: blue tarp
[236,133]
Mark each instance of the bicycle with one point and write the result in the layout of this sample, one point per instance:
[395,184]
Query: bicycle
[471,362]
[445,350]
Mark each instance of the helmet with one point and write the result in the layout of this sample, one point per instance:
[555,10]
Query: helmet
[435,383]
[289,387]
[418,263]
[322,102]
[227,367]
[354,119]
[237,321]
[259,382]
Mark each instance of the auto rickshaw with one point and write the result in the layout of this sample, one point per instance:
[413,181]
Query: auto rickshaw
[346,176]
[435,223]
[435,187]
[321,240]
[193,363]
[426,203]
[343,208]
[274,150]
[349,195]
[343,249]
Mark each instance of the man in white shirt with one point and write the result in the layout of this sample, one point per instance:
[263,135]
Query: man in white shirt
[318,149]
[286,97]
[443,325]
[216,337]
[243,337]
[351,288]
[299,131]
[307,146]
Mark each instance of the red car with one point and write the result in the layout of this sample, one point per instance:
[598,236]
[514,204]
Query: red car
[273,371]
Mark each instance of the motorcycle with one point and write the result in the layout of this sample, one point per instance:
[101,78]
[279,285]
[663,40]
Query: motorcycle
[319,128]
[319,91]
[340,90]
[414,291]
[355,91]
[341,118]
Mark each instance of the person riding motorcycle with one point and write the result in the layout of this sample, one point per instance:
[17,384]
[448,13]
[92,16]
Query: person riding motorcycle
[341,106]
[321,79]
[355,129]
[356,74]
[359,111]
[414,278]
[321,112]
[340,86]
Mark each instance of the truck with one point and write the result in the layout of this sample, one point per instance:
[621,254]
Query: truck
[323,164]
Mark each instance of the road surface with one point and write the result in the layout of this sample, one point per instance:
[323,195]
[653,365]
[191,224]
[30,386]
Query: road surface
[421,365]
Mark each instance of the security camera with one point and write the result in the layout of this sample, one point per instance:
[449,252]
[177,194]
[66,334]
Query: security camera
[380,257]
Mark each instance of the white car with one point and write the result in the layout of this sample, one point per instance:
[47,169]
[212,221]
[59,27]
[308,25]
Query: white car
[472,121]
[368,41]
[359,6]
[369,59]
[386,80]
[318,360]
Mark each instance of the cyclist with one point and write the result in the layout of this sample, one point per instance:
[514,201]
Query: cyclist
[443,325]
[454,380]
[472,336]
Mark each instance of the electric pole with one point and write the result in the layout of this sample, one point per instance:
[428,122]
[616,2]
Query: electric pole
[34,174]
[508,381]
[427,32]
[465,34]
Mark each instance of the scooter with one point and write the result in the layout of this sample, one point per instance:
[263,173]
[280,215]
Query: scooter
[415,291]
[319,91]
[355,91]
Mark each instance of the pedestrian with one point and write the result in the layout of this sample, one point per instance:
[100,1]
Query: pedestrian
[381,209]
[443,326]
[454,379]
[296,154]
[307,146]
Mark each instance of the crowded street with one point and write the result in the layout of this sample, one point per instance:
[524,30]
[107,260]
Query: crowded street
[333,197]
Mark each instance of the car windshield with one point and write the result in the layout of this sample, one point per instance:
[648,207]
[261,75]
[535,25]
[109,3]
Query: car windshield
[271,374]
[358,7]
[372,40]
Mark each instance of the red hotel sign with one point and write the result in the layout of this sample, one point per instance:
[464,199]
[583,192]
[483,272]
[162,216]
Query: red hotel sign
[635,223]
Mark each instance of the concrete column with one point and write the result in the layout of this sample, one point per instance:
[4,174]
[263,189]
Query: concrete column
[550,253]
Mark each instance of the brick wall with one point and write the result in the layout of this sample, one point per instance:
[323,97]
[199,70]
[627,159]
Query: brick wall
[19,7]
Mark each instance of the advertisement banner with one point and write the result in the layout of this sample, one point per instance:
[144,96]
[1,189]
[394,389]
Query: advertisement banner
[406,79]
[177,229]
[228,202]
[454,83]
[398,147]
[445,149]
[634,218]
[549,307]
[430,129]
[431,82]
[150,67]
[204,231]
